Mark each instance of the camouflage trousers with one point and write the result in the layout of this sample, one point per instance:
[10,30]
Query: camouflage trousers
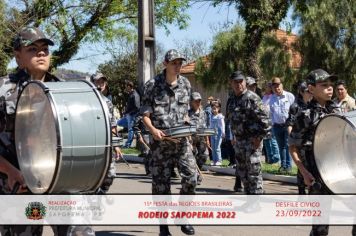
[200,150]
[323,230]
[36,230]
[166,154]
[248,166]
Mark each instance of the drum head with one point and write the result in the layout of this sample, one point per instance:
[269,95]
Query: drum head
[334,151]
[36,138]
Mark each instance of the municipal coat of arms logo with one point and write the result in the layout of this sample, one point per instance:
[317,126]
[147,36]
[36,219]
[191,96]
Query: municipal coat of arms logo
[35,211]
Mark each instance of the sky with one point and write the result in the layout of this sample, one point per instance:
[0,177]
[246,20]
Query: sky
[203,20]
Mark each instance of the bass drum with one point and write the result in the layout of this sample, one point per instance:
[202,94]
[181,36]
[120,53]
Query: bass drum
[334,152]
[62,136]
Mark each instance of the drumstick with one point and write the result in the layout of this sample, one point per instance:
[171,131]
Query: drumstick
[199,171]
[170,139]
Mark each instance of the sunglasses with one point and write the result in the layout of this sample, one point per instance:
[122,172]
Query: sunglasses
[275,84]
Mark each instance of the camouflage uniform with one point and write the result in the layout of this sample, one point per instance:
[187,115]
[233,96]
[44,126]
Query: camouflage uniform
[140,130]
[302,136]
[200,147]
[168,107]
[111,173]
[10,87]
[294,111]
[248,120]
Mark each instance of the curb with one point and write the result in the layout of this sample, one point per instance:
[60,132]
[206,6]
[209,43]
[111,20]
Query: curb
[226,170]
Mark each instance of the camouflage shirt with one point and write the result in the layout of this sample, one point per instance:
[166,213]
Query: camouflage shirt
[112,118]
[10,88]
[247,116]
[294,110]
[198,118]
[307,120]
[168,105]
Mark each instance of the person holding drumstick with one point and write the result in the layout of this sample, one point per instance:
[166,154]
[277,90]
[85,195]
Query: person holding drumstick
[165,105]
[33,59]
[200,143]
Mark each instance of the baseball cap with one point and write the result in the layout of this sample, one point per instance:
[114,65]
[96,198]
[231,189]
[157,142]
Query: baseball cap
[237,75]
[303,87]
[319,75]
[196,96]
[97,76]
[250,80]
[172,55]
[28,36]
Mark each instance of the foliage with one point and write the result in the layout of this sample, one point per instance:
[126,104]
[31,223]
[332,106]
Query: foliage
[225,58]
[192,49]
[327,37]
[72,23]
[122,67]
[260,16]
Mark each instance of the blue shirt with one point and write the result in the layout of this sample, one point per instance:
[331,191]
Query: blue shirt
[279,107]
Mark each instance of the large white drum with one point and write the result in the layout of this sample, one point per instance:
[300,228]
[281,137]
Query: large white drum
[335,152]
[62,136]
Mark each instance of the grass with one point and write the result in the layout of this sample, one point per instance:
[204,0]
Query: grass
[130,151]
[266,168]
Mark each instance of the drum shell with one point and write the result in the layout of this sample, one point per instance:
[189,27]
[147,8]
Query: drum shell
[334,149]
[181,131]
[205,132]
[82,143]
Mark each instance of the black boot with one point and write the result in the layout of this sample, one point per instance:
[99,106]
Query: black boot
[187,229]
[238,185]
[164,230]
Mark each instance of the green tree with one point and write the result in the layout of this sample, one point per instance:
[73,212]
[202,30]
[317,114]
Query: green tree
[225,57]
[72,23]
[327,37]
[260,16]
[122,67]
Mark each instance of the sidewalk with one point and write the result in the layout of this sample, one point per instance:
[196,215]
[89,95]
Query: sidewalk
[226,171]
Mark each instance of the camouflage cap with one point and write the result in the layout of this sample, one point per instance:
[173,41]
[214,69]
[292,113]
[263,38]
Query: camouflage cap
[172,55]
[319,75]
[196,96]
[237,75]
[97,76]
[28,36]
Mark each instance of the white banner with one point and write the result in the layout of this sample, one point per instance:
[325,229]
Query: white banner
[178,209]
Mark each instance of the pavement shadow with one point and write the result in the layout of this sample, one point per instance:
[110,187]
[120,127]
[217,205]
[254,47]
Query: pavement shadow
[118,233]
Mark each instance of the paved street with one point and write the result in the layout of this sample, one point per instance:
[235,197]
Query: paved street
[133,180]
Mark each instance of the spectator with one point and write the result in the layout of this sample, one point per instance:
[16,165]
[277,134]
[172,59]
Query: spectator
[132,108]
[217,122]
[279,106]
[207,110]
[343,99]
[269,143]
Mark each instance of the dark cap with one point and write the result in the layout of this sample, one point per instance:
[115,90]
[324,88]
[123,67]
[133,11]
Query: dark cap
[250,81]
[172,55]
[97,76]
[196,96]
[319,75]
[237,75]
[28,36]
[303,87]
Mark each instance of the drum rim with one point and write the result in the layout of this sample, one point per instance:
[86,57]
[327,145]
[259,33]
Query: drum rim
[342,116]
[192,128]
[57,127]
[59,154]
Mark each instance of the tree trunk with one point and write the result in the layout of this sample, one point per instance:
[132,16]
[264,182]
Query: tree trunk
[252,41]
